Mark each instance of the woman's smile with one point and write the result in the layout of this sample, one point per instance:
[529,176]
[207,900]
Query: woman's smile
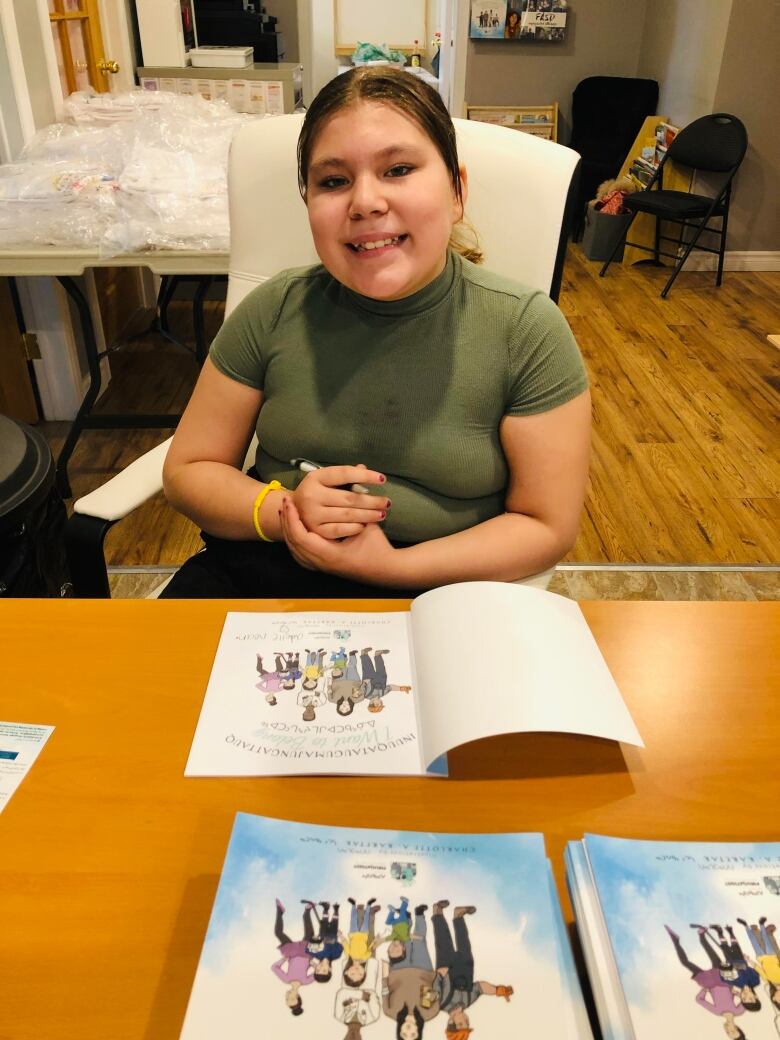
[369,247]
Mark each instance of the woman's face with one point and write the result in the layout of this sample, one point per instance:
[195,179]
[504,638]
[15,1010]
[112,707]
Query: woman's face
[381,203]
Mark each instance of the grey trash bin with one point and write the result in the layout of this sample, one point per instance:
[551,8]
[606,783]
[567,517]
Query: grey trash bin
[32,516]
[602,230]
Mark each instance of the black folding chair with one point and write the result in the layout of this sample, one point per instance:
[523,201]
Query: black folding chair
[713,144]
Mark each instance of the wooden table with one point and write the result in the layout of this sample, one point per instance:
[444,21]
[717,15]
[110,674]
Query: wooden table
[110,858]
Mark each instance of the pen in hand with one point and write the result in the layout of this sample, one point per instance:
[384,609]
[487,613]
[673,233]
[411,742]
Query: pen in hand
[307,466]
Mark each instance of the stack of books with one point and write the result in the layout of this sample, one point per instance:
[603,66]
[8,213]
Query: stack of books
[326,931]
[679,938]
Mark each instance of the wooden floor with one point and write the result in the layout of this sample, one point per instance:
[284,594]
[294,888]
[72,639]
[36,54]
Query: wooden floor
[685,390]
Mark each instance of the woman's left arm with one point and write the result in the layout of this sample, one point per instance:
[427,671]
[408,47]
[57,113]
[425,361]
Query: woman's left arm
[547,455]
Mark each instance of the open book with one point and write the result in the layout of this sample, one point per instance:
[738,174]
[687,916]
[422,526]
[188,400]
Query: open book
[327,931]
[391,693]
[680,938]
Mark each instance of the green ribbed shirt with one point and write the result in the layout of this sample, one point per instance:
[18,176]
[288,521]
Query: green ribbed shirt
[415,388]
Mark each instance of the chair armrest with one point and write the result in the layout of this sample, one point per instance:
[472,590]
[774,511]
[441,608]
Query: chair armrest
[128,489]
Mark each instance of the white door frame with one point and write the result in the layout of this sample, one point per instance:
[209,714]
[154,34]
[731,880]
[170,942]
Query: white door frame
[18,107]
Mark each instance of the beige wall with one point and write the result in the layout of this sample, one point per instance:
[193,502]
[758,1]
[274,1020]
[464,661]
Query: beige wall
[707,55]
[749,87]
[603,38]
[682,48]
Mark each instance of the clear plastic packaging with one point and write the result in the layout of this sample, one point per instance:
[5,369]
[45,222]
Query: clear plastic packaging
[138,171]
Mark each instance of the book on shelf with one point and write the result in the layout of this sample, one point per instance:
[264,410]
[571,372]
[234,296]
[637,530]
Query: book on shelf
[392,692]
[640,174]
[334,932]
[665,133]
[648,165]
[679,938]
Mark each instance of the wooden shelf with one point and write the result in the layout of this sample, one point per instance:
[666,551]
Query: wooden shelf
[539,120]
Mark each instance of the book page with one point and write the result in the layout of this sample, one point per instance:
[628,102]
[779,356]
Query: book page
[310,692]
[20,745]
[348,927]
[493,657]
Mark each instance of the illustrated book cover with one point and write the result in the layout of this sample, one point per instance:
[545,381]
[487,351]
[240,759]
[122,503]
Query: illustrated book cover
[680,938]
[391,693]
[340,933]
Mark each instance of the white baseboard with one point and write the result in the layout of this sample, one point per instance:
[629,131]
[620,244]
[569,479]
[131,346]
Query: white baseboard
[766,260]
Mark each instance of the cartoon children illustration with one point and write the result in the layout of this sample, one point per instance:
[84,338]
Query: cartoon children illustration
[338,660]
[290,670]
[299,971]
[763,939]
[352,668]
[361,943]
[313,668]
[454,983]
[375,678]
[400,921]
[325,947]
[408,995]
[714,994]
[738,974]
[348,686]
[359,1005]
[309,699]
[270,682]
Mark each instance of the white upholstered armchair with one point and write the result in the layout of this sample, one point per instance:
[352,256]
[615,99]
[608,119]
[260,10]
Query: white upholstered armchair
[520,196]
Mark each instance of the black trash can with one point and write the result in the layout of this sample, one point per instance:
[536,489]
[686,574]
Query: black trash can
[602,231]
[32,516]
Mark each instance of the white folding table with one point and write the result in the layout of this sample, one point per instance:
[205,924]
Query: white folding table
[65,265]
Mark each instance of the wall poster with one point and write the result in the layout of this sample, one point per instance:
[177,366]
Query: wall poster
[542,21]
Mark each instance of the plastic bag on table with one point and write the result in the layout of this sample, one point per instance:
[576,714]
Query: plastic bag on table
[62,203]
[104,146]
[88,108]
[169,221]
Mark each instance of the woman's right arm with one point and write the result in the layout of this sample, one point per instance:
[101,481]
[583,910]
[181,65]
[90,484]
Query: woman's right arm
[202,475]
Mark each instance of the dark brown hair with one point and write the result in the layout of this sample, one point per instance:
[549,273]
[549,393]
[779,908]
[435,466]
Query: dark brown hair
[409,95]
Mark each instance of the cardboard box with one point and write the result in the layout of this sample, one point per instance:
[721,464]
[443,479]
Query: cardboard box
[215,57]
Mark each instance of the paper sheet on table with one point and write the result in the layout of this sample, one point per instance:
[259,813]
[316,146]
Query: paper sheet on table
[20,745]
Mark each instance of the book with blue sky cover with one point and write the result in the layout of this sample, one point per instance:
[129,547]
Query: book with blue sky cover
[680,938]
[332,932]
[391,693]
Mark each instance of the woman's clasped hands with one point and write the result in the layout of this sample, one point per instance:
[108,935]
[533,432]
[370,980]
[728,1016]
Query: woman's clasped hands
[328,527]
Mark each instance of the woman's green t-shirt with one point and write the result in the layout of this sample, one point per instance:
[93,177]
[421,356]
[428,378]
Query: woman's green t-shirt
[415,388]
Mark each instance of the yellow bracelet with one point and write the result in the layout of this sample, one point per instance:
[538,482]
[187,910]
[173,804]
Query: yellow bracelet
[274,485]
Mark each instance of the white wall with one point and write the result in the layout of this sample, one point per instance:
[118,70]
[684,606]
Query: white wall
[31,42]
[682,47]
[12,133]
[316,46]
